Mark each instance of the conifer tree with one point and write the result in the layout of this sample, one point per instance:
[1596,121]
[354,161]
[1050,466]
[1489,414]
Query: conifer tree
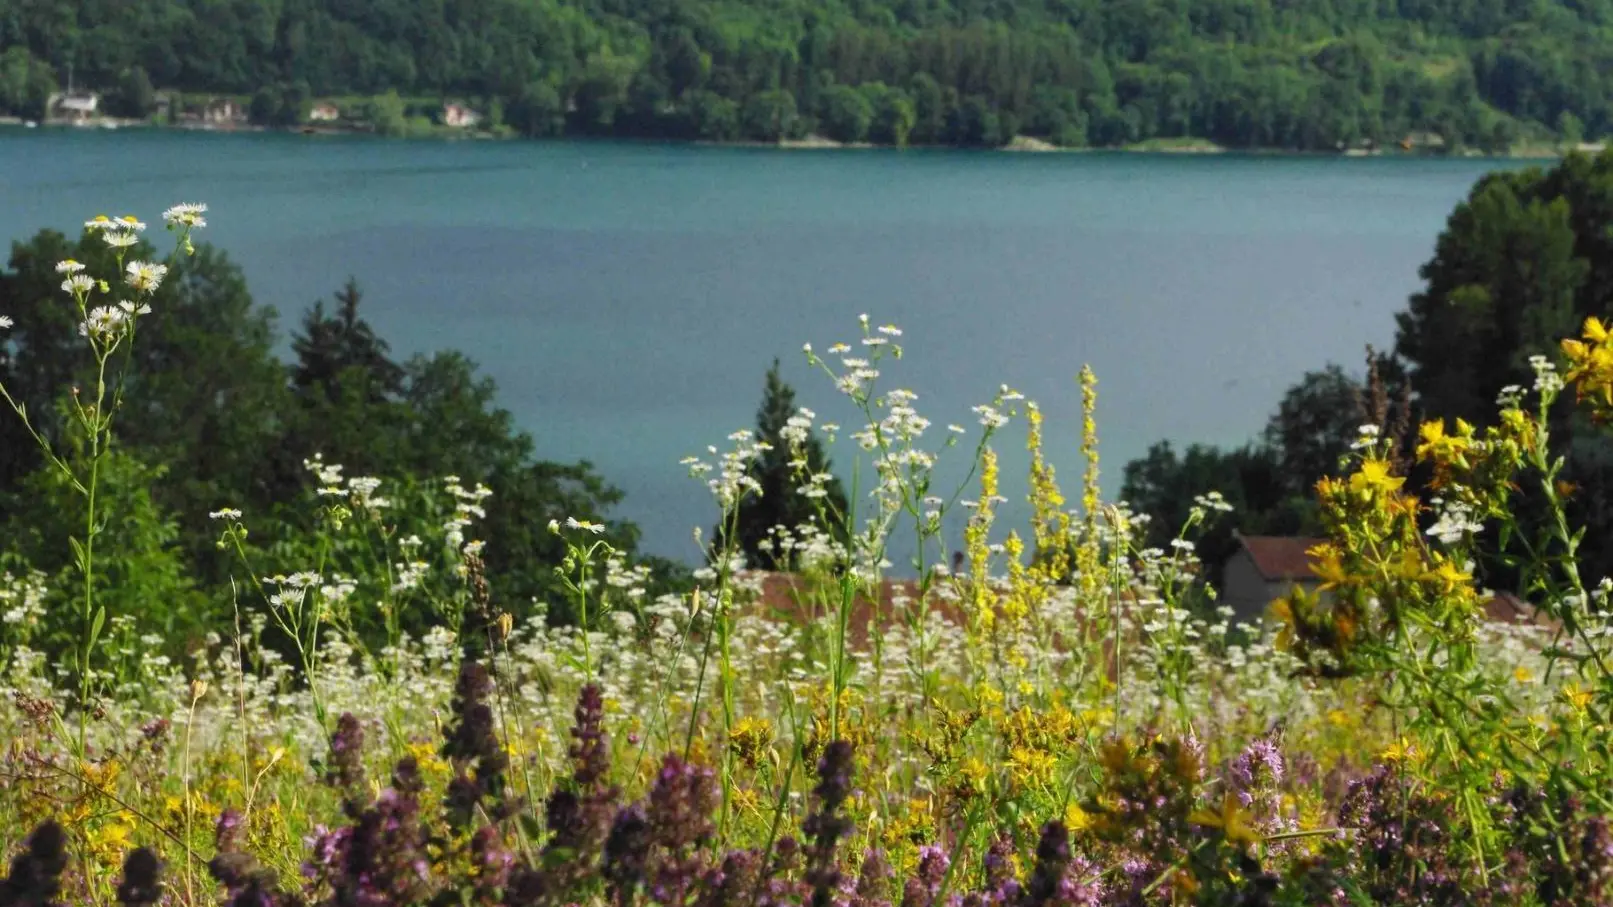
[780,502]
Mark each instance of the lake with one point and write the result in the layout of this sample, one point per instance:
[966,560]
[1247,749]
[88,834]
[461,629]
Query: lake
[628,298]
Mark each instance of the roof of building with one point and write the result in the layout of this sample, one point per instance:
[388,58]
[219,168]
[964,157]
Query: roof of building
[1280,557]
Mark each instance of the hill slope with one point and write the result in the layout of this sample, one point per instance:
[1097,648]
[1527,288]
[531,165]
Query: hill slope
[1269,73]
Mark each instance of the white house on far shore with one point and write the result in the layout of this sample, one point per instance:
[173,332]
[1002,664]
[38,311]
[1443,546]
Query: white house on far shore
[460,117]
[76,107]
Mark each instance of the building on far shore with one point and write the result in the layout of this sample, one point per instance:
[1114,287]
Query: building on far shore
[460,117]
[324,113]
[73,107]
[223,110]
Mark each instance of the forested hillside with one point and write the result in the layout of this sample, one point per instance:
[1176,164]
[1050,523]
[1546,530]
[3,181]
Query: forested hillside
[1310,74]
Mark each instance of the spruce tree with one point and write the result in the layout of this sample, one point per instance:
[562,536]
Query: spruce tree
[781,503]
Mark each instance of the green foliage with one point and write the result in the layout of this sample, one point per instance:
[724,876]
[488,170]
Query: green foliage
[140,566]
[1249,73]
[134,97]
[26,83]
[385,114]
[846,114]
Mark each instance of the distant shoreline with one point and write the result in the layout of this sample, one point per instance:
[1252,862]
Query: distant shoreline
[1019,145]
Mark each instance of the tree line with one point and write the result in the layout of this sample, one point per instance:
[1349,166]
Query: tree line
[1243,73]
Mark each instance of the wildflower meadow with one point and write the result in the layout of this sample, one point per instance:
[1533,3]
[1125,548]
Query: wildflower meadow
[1061,716]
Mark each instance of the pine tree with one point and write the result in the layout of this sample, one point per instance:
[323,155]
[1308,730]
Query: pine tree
[780,503]
[332,344]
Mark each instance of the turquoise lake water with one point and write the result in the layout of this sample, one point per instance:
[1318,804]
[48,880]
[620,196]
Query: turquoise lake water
[628,298]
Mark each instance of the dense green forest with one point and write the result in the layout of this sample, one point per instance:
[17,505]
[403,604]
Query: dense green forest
[1315,74]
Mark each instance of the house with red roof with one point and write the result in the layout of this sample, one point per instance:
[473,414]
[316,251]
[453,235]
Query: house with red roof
[1268,567]
[1264,569]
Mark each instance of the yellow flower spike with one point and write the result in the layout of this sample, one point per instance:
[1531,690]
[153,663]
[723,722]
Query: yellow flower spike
[1048,517]
[976,535]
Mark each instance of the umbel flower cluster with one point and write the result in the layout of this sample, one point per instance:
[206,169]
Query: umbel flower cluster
[1061,716]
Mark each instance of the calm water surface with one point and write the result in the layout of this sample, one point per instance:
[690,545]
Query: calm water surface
[628,298]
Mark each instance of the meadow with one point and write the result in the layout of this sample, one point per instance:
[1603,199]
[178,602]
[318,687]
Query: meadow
[1067,717]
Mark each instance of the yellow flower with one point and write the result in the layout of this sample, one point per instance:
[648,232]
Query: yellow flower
[1232,820]
[749,739]
[1399,751]
[1591,367]
[1577,698]
[1449,577]
[1031,767]
[1328,566]
[1445,451]
[1374,477]
[1522,674]
[1076,818]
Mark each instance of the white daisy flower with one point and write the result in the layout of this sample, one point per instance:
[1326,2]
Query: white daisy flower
[145,276]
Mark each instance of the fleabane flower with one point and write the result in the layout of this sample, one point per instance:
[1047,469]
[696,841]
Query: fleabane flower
[5,322]
[574,523]
[78,284]
[68,266]
[103,323]
[119,239]
[128,222]
[185,215]
[144,276]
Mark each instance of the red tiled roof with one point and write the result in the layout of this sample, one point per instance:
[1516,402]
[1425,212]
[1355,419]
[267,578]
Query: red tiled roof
[1280,557]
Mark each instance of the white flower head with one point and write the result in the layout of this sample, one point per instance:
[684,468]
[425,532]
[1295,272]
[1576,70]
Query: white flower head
[78,283]
[574,523]
[68,266]
[120,239]
[185,215]
[144,276]
[103,323]
[5,322]
[228,513]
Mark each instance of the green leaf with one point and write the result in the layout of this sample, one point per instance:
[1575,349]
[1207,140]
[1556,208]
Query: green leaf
[79,558]
[95,626]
